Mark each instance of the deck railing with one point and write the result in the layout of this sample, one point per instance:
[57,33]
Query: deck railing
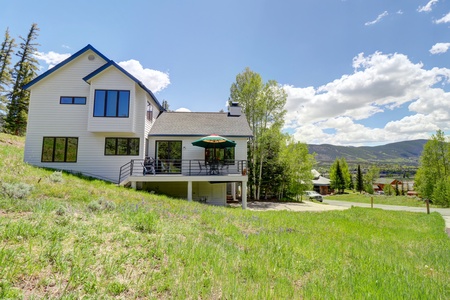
[191,167]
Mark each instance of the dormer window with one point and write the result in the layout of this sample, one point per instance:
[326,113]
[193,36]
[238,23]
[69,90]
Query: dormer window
[111,103]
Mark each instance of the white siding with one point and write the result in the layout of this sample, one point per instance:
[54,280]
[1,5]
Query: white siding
[112,79]
[194,152]
[49,118]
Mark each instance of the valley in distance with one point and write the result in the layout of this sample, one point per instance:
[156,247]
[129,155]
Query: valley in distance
[399,159]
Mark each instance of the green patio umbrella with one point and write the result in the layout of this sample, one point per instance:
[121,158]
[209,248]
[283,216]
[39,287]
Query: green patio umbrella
[214,141]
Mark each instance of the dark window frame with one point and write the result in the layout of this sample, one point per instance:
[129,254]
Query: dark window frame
[72,102]
[129,146]
[165,162]
[54,149]
[110,103]
[226,155]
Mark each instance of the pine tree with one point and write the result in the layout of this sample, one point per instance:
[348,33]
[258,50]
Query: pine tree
[6,51]
[359,180]
[24,71]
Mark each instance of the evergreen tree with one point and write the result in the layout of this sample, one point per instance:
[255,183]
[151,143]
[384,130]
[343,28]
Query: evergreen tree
[24,71]
[337,177]
[359,180]
[6,50]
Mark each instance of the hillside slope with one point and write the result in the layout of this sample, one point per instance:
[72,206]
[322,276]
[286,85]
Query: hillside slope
[401,152]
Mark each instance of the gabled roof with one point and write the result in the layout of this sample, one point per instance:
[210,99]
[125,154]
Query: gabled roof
[62,64]
[114,64]
[200,124]
[108,64]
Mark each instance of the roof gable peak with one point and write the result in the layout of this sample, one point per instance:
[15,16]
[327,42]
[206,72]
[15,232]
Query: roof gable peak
[63,63]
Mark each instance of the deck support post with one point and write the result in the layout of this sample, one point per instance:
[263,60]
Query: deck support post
[244,194]
[189,190]
[233,190]
[133,185]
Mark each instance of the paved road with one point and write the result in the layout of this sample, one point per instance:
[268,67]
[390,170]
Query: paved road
[445,212]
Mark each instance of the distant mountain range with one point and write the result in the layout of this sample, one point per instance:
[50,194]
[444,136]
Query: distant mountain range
[407,152]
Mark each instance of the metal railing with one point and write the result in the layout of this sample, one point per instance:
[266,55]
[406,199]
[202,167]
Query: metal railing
[191,167]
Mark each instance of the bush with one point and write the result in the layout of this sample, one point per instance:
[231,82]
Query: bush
[101,204]
[56,176]
[16,190]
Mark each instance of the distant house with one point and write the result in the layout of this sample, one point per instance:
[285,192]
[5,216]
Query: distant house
[407,185]
[89,115]
[321,184]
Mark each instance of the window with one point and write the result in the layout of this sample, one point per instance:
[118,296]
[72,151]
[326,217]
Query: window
[168,154]
[111,103]
[72,100]
[122,146]
[226,155]
[59,149]
[149,111]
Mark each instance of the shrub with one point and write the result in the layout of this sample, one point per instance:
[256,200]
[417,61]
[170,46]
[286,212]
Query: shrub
[16,190]
[101,204]
[56,177]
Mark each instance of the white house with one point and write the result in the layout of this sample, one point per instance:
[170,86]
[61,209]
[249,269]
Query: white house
[89,115]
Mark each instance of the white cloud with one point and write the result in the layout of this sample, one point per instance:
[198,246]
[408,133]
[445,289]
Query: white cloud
[378,19]
[444,19]
[439,48]
[153,79]
[380,82]
[51,58]
[428,6]
[183,109]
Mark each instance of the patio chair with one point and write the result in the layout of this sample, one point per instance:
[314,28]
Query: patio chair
[148,167]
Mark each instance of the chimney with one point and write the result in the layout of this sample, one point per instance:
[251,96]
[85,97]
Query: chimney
[234,110]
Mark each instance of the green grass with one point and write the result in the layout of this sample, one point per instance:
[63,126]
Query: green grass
[379,199]
[75,239]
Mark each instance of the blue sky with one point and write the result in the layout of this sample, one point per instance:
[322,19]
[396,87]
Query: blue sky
[357,72]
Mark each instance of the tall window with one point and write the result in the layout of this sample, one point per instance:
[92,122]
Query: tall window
[149,111]
[122,146]
[168,154]
[111,103]
[225,155]
[59,149]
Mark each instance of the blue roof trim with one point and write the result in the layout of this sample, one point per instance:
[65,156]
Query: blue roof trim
[63,63]
[114,64]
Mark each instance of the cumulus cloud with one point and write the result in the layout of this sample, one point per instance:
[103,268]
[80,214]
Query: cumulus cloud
[428,7]
[380,82]
[51,58]
[153,79]
[439,48]
[378,19]
[444,19]
[183,109]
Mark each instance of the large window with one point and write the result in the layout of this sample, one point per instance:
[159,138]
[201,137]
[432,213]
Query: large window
[122,146]
[111,103]
[59,149]
[72,100]
[168,154]
[225,155]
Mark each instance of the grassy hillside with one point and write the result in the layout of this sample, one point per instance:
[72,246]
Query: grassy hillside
[407,152]
[68,237]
